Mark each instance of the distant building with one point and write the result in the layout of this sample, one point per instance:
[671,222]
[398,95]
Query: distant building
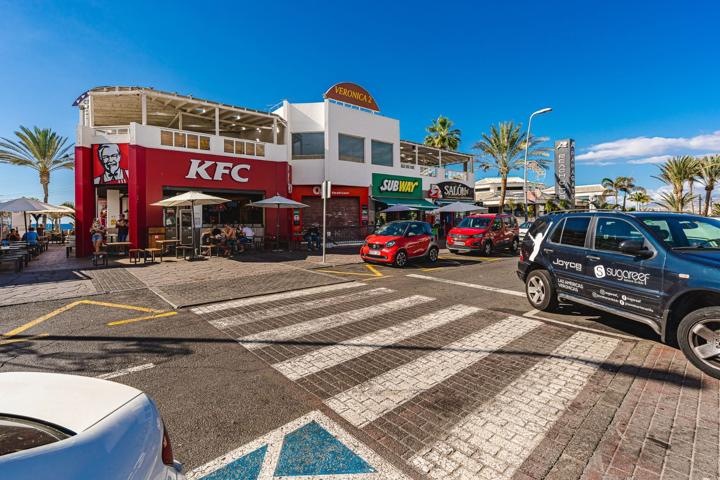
[487,192]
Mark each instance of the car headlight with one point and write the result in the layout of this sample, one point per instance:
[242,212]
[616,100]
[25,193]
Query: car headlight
[478,235]
[391,243]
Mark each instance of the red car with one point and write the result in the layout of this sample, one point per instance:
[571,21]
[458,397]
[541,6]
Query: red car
[484,233]
[398,242]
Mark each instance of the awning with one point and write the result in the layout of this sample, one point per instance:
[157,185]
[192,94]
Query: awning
[420,203]
[443,201]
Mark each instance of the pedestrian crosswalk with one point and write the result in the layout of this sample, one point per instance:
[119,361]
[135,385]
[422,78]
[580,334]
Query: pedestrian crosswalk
[403,369]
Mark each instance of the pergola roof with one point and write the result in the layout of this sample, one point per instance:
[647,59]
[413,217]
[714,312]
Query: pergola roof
[120,105]
[430,156]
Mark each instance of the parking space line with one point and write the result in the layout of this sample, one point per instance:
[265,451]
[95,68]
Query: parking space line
[470,285]
[41,319]
[125,371]
[350,273]
[24,339]
[374,270]
[140,319]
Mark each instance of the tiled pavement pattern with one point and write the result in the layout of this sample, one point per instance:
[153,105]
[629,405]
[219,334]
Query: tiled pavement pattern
[32,292]
[225,288]
[112,279]
[532,400]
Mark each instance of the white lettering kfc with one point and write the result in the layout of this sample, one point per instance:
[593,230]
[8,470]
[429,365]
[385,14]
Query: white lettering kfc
[199,168]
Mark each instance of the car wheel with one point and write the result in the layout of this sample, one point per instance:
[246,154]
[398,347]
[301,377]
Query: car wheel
[514,245]
[699,339]
[400,259]
[487,248]
[540,292]
[454,252]
[433,255]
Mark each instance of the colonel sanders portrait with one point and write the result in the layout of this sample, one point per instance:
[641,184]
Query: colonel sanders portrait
[109,156]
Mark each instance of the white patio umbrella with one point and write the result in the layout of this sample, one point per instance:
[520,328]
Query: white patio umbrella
[26,205]
[458,207]
[191,199]
[277,202]
[399,208]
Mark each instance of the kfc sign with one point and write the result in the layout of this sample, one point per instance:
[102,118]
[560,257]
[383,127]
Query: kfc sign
[212,170]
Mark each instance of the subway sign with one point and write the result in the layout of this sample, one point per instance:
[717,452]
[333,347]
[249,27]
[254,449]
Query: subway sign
[396,186]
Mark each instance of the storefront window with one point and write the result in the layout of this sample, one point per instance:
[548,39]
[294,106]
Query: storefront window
[308,145]
[382,153]
[352,149]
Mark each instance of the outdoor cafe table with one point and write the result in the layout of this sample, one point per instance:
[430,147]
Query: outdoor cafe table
[164,243]
[116,247]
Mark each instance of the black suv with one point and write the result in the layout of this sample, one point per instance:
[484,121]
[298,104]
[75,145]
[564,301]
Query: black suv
[661,269]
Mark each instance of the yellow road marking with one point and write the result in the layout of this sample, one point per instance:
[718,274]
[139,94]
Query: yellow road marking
[349,273]
[39,320]
[140,319]
[67,307]
[119,305]
[374,270]
[28,339]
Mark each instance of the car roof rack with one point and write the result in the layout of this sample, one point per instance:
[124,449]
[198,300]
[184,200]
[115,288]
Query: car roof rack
[583,210]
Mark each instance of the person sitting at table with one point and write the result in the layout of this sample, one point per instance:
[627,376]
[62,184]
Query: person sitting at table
[13,236]
[312,237]
[246,237]
[31,236]
[230,238]
[96,235]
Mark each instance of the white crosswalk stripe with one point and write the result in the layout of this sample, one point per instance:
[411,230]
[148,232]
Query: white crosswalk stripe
[327,357]
[372,399]
[308,327]
[494,441]
[272,312]
[244,302]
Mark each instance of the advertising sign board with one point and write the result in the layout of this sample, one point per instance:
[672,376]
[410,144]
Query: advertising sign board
[452,191]
[396,186]
[565,169]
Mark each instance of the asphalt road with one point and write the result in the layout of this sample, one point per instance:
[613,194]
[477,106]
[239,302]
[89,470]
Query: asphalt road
[217,394]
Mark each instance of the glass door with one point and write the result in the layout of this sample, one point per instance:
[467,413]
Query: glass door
[170,223]
[186,226]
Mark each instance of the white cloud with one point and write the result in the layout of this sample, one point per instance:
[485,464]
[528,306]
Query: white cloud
[655,159]
[651,147]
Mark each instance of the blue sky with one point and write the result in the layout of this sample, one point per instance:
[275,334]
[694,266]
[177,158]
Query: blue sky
[631,82]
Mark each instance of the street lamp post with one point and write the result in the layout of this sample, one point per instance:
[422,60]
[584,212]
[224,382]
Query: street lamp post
[527,140]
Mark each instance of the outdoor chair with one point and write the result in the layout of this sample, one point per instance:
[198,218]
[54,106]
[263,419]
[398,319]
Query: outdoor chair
[134,254]
[150,254]
[100,258]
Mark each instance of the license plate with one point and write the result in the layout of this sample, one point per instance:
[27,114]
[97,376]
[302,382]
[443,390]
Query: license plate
[459,242]
[374,252]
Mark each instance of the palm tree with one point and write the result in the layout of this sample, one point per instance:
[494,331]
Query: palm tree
[625,186]
[612,187]
[716,210]
[600,203]
[442,135]
[673,203]
[709,174]
[504,148]
[40,149]
[675,172]
[640,197]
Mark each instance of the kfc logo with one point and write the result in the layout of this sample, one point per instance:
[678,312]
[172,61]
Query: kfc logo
[216,171]
[110,164]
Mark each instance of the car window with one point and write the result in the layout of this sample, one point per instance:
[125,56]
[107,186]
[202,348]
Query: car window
[508,221]
[18,434]
[394,229]
[415,229]
[571,232]
[539,225]
[526,225]
[427,229]
[611,232]
[474,222]
[497,224]
[661,230]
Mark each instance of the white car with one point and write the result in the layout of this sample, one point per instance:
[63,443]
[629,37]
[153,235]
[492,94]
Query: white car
[60,427]
[524,227]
